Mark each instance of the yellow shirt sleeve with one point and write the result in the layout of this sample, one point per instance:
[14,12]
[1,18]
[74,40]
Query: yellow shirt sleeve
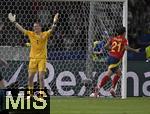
[28,33]
[48,34]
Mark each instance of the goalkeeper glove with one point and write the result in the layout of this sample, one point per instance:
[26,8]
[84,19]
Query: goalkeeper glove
[55,18]
[12,18]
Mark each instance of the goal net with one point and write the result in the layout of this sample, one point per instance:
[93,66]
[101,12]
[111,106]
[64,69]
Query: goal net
[70,50]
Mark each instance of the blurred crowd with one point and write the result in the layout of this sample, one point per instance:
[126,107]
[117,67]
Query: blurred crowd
[138,22]
[139,26]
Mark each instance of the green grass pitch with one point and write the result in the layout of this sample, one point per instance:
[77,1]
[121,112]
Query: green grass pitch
[77,105]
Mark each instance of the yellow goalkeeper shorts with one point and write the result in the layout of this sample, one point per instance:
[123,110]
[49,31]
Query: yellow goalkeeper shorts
[37,65]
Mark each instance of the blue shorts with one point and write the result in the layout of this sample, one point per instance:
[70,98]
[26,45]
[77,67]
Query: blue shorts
[113,63]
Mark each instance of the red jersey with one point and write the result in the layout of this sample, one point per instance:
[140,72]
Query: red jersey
[117,44]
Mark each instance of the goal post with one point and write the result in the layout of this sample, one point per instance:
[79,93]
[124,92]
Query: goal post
[124,64]
[70,51]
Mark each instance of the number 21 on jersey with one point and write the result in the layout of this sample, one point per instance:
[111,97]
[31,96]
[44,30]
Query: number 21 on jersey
[116,46]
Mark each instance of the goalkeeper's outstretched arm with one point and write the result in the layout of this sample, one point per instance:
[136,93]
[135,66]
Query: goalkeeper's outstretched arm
[55,21]
[12,19]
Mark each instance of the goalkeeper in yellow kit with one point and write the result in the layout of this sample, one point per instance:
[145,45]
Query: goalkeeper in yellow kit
[38,51]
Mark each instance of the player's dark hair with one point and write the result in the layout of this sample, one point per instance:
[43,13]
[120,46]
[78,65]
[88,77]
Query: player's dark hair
[121,30]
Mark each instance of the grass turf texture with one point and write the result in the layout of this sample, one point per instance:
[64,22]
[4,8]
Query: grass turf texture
[76,105]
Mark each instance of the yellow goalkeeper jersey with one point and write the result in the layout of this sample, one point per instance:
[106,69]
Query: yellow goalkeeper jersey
[38,44]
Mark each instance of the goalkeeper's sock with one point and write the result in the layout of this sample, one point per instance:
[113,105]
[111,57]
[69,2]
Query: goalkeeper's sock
[115,80]
[104,81]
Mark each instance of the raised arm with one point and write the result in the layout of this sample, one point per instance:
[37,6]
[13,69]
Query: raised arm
[12,19]
[55,21]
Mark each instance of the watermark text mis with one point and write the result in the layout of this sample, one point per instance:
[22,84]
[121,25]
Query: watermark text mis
[20,100]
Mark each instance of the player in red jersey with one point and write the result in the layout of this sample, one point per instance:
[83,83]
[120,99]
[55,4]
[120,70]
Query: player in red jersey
[117,46]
